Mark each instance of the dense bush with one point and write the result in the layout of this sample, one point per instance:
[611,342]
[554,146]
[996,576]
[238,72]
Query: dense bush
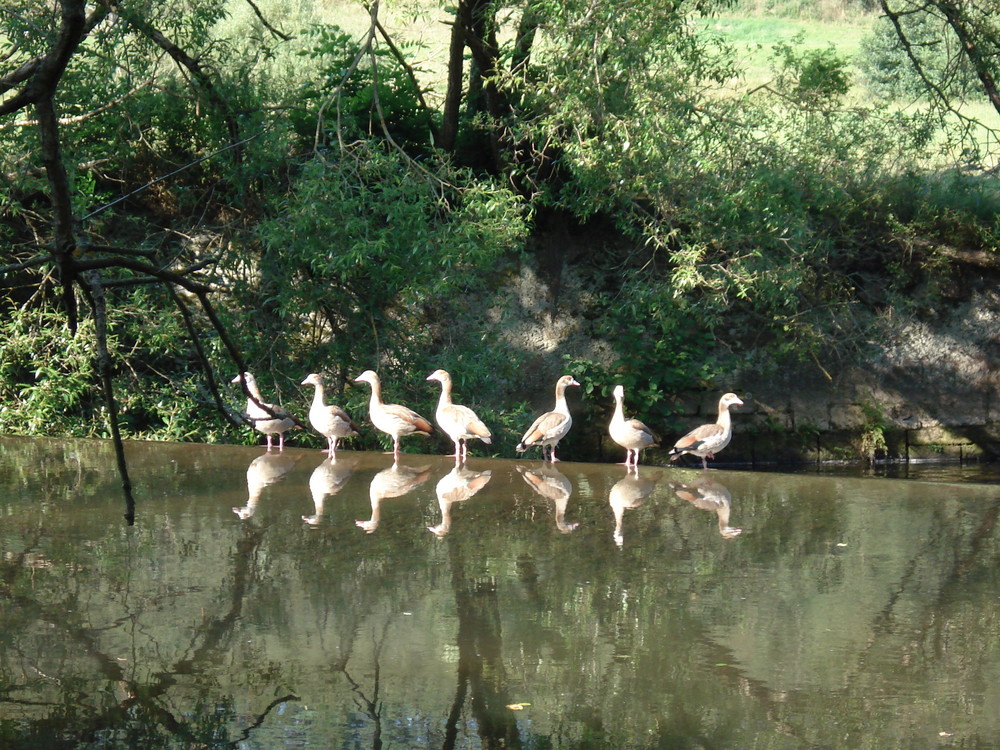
[373,261]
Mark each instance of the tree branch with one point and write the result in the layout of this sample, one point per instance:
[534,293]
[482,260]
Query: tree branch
[268,26]
[43,73]
[206,366]
[407,68]
[98,304]
[198,73]
[960,26]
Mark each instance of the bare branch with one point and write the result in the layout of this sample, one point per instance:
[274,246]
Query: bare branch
[78,118]
[336,96]
[22,74]
[171,277]
[960,26]
[91,283]
[408,69]
[202,357]
[197,71]
[161,178]
[32,263]
[937,93]
[268,26]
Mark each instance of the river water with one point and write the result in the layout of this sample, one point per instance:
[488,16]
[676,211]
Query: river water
[283,601]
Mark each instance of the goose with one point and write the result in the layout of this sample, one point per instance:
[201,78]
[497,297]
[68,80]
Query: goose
[707,494]
[553,485]
[708,439]
[629,493]
[395,481]
[328,420]
[553,425]
[393,419]
[266,418]
[456,486]
[458,422]
[630,434]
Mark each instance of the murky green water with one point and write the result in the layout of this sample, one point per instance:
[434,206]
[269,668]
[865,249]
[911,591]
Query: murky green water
[358,605]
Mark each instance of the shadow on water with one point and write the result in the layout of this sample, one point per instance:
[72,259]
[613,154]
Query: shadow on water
[286,600]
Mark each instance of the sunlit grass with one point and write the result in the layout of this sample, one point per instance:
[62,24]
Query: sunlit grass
[755,37]
[424,30]
[753,30]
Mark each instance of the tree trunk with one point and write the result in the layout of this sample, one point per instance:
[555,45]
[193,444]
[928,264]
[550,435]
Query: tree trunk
[960,26]
[456,82]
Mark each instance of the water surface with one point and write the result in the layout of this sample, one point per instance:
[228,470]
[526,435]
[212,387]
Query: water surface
[284,601]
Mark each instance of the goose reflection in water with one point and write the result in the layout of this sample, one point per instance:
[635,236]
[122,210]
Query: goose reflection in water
[327,479]
[708,494]
[262,472]
[553,485]
[457,485]
[395,481]
[629,493]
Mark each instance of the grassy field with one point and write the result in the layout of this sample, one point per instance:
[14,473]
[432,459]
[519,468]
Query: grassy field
[755,37]
[752,28]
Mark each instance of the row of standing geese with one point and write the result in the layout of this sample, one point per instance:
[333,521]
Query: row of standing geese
[461,483]
[461,423]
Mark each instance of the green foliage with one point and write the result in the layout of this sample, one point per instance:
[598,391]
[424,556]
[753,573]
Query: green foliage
[47,376]
[817,77]
[331,53]
[657,350]
[754,239]
[49,382]
[873,432]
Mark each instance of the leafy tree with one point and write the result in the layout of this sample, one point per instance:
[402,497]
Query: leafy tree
[49,57]
[370,256]
[930,55]
[340,218]
[944,43]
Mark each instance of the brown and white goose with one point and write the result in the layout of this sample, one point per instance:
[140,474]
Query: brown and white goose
[707,494]
[456,486]
[328,420]
[393,419]
[630,434]
[458,422]
[395,481]
[709,439]
[553,485]
[553,425]
[269,419]
[629,493]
